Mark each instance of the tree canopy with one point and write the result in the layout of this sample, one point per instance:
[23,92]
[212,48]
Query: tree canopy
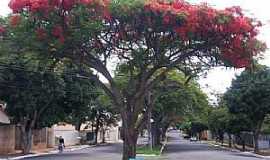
[220,33]
[33,98]
[249,96]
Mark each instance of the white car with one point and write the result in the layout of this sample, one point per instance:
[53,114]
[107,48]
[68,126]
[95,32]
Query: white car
[192,139]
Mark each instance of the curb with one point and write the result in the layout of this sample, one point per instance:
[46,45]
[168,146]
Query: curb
[256,155]
[48,153]
[153,155]
[225,148]
[238,151]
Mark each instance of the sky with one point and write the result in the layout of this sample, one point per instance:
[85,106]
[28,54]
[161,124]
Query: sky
[219,79]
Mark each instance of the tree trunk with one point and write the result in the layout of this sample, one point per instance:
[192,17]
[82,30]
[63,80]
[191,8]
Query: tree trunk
[130,135]
[164,130]
[256,134]
[78,125]
[156,134]
[243,144]
[255,139]
[158,137]
[26,139]
[142,133]
[230,140]
[97,130]
[130,142]
[103,135]
[221,137]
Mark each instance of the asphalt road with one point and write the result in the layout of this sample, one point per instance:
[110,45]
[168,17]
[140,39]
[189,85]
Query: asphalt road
[107,152]
[180,149]
[177,149]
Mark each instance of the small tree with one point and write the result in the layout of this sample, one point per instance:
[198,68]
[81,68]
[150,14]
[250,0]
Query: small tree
[103,115]
[249,96]
[83,94]
[197,128]
[33,98]
[218,122]
[176,100]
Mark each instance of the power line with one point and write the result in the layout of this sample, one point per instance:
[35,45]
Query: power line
[31,88]
[3,65]
[40,72]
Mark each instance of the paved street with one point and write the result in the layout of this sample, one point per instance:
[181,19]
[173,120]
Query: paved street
[108,152]
[177,149]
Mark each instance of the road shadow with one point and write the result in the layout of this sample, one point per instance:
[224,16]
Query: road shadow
[109,148]
[187,147]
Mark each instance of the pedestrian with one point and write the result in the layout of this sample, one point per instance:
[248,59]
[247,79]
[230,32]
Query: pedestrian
[61,144]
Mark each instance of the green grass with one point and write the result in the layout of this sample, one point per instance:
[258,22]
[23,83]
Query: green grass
[146,150]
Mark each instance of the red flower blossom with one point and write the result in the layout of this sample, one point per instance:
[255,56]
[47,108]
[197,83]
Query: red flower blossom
[55,2]
[107,14]
[15,20]
[41,33]
[18,5]
[178,4]
[106,2]
[237,41]
[241,62]
[228,29]
[39,5]
[182,32]
[61,39]
[57,31]
[164,7]
[68,4]
[240,24]
[166,19]
[2,29]
[86,2]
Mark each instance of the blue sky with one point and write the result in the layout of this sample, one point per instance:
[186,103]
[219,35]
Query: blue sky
[219,79]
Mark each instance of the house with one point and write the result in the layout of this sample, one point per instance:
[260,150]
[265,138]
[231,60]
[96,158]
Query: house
[7,133]
[4,119]
[85,135]
[10,138]
[68,132]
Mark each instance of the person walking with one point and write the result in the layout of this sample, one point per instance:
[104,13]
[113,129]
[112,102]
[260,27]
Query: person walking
[61,144]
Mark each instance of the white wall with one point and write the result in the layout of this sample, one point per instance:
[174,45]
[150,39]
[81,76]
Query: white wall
[70,137]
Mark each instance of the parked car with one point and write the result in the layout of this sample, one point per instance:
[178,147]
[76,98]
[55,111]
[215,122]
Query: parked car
[186,136]
[193,139]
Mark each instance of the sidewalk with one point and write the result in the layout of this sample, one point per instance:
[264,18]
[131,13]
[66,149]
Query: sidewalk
[41,152]
[249,152]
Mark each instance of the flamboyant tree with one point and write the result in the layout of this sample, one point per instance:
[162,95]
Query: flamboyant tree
[150,36]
